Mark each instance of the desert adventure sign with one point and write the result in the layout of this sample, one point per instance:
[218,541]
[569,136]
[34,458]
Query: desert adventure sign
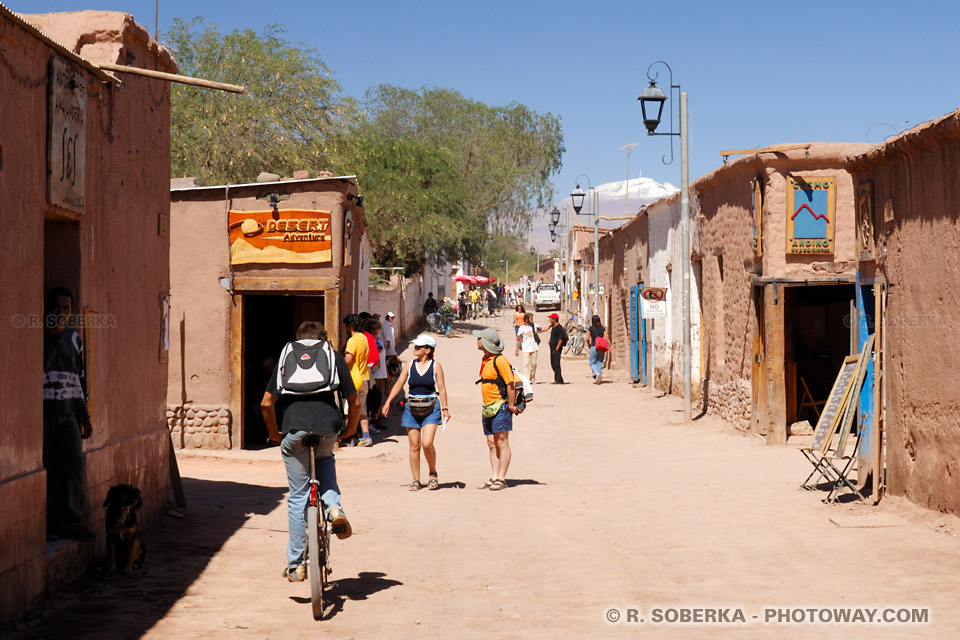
[289,235]
[811,206]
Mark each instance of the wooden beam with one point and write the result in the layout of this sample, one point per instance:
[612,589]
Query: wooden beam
[776,398]
[331,316]
[236,371]
[281,285]
[172,77]
[771,149]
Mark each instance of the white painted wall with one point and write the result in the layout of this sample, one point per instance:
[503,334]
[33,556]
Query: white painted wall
[664,268]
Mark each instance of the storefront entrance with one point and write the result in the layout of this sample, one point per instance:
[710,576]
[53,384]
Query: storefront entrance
[817,337]
[269,322]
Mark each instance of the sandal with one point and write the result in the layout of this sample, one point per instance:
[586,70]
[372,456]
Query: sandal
[487,484]
[434,482]
[498,485]
[415,486]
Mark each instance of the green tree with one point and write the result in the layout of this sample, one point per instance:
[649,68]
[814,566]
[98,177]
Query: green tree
[461,176]
[281,123]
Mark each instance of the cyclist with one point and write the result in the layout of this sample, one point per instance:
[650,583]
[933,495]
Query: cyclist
[304,415]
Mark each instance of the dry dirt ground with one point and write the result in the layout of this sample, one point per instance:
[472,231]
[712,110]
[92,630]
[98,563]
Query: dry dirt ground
[612,504]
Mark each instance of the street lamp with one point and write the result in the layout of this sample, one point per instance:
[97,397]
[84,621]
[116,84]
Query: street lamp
[506,277]
[554,226]
[576,196]
[651,100]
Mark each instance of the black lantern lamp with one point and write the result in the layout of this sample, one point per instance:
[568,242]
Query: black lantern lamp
[555,217]
[553,227]
[651,103]
[553,236]
[577,196]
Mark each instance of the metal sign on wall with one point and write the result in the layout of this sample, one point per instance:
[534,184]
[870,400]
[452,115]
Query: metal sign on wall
[289,236]
[653,302]
[811,207]
[66,140]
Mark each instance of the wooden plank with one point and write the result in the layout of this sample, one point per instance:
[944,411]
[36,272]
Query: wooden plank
[868,521]
[879,393]
[331,318]
[172,77]
[284,284]
[236,371]
[776,378]
[176,483]
[853,402]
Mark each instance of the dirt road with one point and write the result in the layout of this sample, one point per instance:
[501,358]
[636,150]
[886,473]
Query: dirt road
[612,503]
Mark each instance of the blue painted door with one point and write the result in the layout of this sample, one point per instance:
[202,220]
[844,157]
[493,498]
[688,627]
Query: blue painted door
[634,334]
[865,327]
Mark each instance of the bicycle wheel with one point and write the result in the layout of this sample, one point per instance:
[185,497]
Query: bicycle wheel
[316,563]
[578,343]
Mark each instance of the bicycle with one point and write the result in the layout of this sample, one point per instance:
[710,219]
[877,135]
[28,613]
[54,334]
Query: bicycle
[577,340]
[318,535]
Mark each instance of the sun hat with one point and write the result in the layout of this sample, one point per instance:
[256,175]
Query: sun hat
[490,339]
[423,340]
[554,316]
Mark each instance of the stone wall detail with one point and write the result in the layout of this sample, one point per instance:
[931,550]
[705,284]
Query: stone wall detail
[200,426]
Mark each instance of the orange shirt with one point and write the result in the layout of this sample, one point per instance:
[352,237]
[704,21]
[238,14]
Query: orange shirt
[489,390]
[518,319]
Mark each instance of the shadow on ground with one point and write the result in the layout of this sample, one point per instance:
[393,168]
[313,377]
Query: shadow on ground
[125,605]
[362,587]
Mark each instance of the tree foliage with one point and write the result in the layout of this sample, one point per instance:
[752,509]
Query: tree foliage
[447,175]
[281,123]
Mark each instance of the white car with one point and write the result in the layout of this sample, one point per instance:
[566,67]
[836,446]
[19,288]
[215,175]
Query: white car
[546,295]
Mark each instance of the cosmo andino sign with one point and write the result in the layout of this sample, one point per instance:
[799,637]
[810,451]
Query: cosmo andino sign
[811,207]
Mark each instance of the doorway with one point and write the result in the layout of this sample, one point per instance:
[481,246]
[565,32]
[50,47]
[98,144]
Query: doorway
[818,322]
[269,322]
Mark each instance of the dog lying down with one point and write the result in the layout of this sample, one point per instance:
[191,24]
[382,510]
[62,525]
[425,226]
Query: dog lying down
[125,551]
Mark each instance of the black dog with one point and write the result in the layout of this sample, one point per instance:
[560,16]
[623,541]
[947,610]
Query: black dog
[124,548]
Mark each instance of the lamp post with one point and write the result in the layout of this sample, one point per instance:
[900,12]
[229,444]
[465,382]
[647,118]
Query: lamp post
[576,196]
[506,277]
[626,199]
[554,226]
[653,98]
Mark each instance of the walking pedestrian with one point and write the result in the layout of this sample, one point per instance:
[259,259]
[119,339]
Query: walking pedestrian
[518,318]
[498,393]
[528,347]
[378,375]
[558,338]
[310,414]
[430,306]
[596,355]
[66,420]
[356,355]
[425,409]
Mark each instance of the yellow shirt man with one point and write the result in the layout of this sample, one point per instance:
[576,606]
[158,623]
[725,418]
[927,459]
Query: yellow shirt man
[474,295]
[360,348]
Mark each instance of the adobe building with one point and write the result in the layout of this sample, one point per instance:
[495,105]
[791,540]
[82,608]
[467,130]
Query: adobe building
[84,167]
[908,223]
[248,264]
[775,240]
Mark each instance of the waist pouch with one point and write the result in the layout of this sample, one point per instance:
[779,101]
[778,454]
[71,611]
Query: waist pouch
[421,405]
[492,408]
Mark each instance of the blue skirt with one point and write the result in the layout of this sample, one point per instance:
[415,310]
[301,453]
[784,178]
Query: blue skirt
[410,421]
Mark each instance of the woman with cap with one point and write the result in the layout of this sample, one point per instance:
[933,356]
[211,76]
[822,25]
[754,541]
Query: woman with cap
[425,409]
[499,394]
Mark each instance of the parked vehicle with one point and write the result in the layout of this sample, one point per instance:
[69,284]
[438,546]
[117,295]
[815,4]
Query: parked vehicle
[546,296]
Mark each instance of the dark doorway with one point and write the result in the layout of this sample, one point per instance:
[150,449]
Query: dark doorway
[818,339]
[270,321]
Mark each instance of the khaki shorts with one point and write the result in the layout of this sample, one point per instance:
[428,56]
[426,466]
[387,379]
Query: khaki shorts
[362,396]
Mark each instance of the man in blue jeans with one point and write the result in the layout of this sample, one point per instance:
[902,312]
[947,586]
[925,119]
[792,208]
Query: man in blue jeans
[303,415]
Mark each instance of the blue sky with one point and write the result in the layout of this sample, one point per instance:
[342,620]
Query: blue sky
[757,73]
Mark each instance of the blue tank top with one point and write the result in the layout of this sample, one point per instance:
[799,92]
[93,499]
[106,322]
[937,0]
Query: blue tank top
[422,385]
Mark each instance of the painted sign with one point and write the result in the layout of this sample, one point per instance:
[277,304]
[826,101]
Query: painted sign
[66,139]
[653,302]
[865,220]
[811,205]
[288,235]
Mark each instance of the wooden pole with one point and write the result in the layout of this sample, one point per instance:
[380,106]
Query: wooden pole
[171,77]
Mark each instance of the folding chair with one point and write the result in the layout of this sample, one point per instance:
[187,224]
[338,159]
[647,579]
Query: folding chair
[806,399]
[816,453]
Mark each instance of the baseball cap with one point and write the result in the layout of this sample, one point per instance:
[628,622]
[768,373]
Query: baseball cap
[554,316]
[424,340]
[391,314]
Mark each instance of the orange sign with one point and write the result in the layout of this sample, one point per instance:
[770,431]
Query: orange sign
[289,235]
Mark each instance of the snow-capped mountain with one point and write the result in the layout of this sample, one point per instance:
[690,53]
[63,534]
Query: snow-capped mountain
[613,204]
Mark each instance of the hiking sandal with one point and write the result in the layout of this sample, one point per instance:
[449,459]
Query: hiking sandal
[434,482]
[498,485]
[415,486]
[487,484]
